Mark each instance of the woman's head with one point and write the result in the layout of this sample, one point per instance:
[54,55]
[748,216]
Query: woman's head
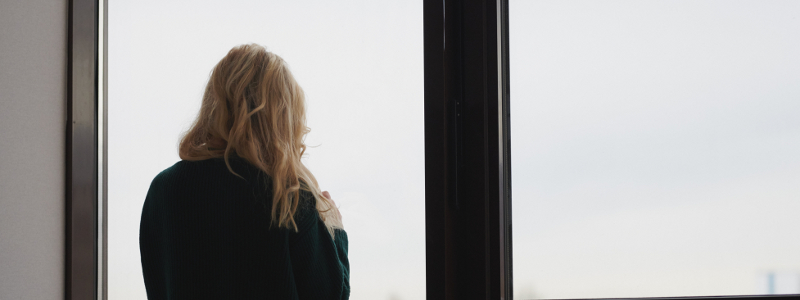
[253,107]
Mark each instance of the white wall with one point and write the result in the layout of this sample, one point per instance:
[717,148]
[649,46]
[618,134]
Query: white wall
[33,37]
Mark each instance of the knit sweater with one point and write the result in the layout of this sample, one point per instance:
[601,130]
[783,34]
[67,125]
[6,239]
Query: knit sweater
[205,234]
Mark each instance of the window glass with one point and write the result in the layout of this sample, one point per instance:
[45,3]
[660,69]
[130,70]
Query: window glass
[655,147]
[360,64]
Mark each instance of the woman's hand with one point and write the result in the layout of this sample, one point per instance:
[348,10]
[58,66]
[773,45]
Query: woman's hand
[328,196]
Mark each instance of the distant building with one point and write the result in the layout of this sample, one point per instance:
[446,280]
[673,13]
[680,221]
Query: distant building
[779,283]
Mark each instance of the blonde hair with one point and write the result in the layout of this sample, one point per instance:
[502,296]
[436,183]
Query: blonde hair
[254,108]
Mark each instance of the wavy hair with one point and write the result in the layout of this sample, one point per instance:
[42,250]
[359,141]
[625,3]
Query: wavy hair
[254,108]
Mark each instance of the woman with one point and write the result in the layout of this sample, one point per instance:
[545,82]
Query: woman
[240,217]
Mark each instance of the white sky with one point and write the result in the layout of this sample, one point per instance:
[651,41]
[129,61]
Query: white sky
[654,146]
[654,143]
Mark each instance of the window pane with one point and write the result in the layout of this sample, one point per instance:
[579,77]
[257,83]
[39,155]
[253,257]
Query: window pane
[360,64]
[655,147]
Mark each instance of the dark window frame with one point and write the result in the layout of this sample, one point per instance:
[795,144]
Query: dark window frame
[82,229]
[467,152]
[467,170]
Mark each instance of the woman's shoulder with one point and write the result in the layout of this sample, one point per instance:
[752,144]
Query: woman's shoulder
[178,170]
[187,184]
[198,168]
[206,174]
[185,171]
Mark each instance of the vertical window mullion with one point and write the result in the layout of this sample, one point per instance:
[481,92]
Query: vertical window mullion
[467,200]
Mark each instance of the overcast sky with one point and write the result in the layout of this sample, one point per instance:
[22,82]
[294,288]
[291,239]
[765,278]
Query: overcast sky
[654,143]
[654,146]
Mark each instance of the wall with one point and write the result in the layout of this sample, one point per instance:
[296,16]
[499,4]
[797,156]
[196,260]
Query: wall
[33,43]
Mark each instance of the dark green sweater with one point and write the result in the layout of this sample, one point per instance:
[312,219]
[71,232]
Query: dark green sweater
[205,234]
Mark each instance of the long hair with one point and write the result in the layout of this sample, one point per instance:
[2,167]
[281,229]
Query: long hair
[254,108]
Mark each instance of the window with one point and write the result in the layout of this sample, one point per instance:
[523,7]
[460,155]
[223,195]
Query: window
[655,148]
[360,65]
[723,141]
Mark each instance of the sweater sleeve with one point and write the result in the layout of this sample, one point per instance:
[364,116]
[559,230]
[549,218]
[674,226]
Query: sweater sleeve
[151,243]
[341,249]
[319,262]
[172,263]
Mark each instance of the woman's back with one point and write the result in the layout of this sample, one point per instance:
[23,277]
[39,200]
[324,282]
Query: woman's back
[205,234]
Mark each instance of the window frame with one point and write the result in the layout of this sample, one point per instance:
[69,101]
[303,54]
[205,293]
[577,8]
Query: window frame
[467,152]
[85,238]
